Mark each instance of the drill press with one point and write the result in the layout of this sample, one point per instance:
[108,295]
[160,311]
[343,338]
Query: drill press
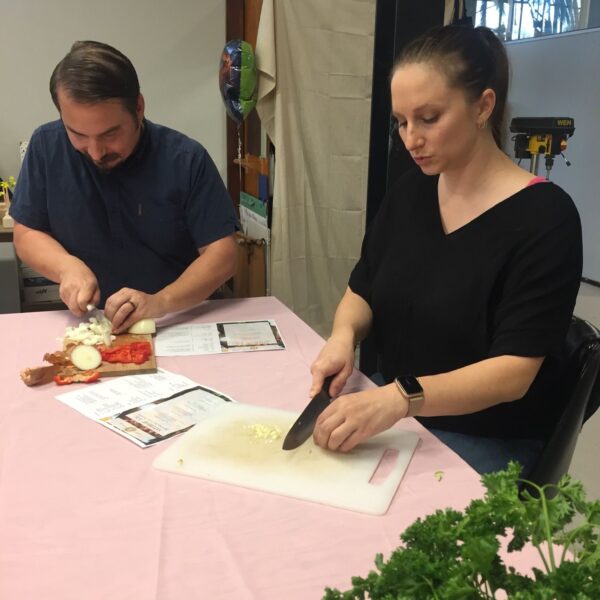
[541,136]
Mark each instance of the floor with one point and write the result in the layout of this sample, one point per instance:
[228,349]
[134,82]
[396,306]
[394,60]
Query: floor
[585,461]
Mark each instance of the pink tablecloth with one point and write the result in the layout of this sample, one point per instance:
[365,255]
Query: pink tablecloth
[84,516]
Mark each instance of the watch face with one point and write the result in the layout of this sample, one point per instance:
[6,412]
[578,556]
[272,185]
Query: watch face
[410,384]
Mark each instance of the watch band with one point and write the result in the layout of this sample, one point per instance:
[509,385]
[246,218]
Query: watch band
[411,389]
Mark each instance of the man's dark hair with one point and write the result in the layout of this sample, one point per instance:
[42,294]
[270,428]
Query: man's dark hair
[92,72]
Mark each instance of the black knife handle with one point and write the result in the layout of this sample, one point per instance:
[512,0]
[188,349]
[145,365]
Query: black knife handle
[327,383]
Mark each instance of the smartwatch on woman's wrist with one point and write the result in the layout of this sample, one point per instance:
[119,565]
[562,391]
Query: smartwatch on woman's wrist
[410,388]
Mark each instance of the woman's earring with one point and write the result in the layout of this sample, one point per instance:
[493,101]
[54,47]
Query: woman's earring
[482,125]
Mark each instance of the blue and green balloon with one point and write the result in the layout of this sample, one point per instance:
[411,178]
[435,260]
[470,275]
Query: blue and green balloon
[237,79]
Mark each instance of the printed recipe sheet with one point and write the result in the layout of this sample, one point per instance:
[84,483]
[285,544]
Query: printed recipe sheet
[217,338]
[146,409]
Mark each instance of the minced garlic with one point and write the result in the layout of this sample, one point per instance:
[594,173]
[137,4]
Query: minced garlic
[267,433]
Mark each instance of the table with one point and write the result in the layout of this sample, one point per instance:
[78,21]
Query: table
[84,516]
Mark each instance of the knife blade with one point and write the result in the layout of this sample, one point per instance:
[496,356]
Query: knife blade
[93,311]
[304,425]
[98,314]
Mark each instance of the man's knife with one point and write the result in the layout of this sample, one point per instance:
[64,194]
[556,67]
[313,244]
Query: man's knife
[98,314]
[302,429]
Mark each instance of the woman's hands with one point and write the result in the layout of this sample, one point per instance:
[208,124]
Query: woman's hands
[351,324]
[353,418]
[347,420]
[336,358]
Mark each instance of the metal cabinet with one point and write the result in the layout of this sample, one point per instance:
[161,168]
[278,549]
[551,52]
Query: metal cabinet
[10,301]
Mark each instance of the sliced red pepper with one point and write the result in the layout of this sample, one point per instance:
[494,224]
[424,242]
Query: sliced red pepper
[84,377]
[136,352]
[140,352]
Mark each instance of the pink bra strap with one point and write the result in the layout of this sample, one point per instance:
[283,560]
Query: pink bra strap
[537,179]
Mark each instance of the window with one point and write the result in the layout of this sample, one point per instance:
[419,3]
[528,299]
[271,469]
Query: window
[518,19]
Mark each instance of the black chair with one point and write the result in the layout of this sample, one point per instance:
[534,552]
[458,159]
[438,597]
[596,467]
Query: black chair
[580,382]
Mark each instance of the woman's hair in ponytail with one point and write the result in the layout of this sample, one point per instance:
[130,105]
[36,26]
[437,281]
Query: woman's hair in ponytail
[471,59]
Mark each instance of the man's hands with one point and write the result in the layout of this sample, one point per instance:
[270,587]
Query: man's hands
[128,306]
[353,418]
[78,286]
[215,264]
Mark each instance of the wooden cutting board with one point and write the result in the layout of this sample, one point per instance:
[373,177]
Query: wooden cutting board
[113,369]
[225,448]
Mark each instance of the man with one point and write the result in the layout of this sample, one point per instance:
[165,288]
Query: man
[121,212]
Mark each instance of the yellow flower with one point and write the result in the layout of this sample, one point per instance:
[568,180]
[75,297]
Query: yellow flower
[7,185]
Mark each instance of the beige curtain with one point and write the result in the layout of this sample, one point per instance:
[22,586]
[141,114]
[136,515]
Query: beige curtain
[315,59]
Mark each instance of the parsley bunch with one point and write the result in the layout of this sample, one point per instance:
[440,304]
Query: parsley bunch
[451,555]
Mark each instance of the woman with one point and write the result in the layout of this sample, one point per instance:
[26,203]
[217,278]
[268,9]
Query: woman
[468,274]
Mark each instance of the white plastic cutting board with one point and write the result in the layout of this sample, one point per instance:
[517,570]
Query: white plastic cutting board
[225,448]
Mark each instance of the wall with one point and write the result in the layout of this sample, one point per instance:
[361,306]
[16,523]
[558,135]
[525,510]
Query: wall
[559,76]
[175,47]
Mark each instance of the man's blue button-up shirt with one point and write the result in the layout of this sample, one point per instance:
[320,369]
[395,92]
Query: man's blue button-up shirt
[139,225]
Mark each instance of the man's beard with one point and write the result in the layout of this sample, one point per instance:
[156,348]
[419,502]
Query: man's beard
[116,159]
[106,163]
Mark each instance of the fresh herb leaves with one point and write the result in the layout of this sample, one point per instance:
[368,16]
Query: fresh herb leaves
[451,555]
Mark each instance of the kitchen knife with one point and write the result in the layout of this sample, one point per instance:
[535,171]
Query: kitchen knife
[302,429]
[93,311]
[98,314]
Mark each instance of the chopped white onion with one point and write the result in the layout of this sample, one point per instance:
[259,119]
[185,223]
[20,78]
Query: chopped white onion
[95,331]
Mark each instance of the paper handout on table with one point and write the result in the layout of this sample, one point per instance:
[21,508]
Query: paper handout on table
[216,338]
[146,409]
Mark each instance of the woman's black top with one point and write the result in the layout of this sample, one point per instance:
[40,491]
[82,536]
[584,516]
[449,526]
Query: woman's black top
[503,284]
